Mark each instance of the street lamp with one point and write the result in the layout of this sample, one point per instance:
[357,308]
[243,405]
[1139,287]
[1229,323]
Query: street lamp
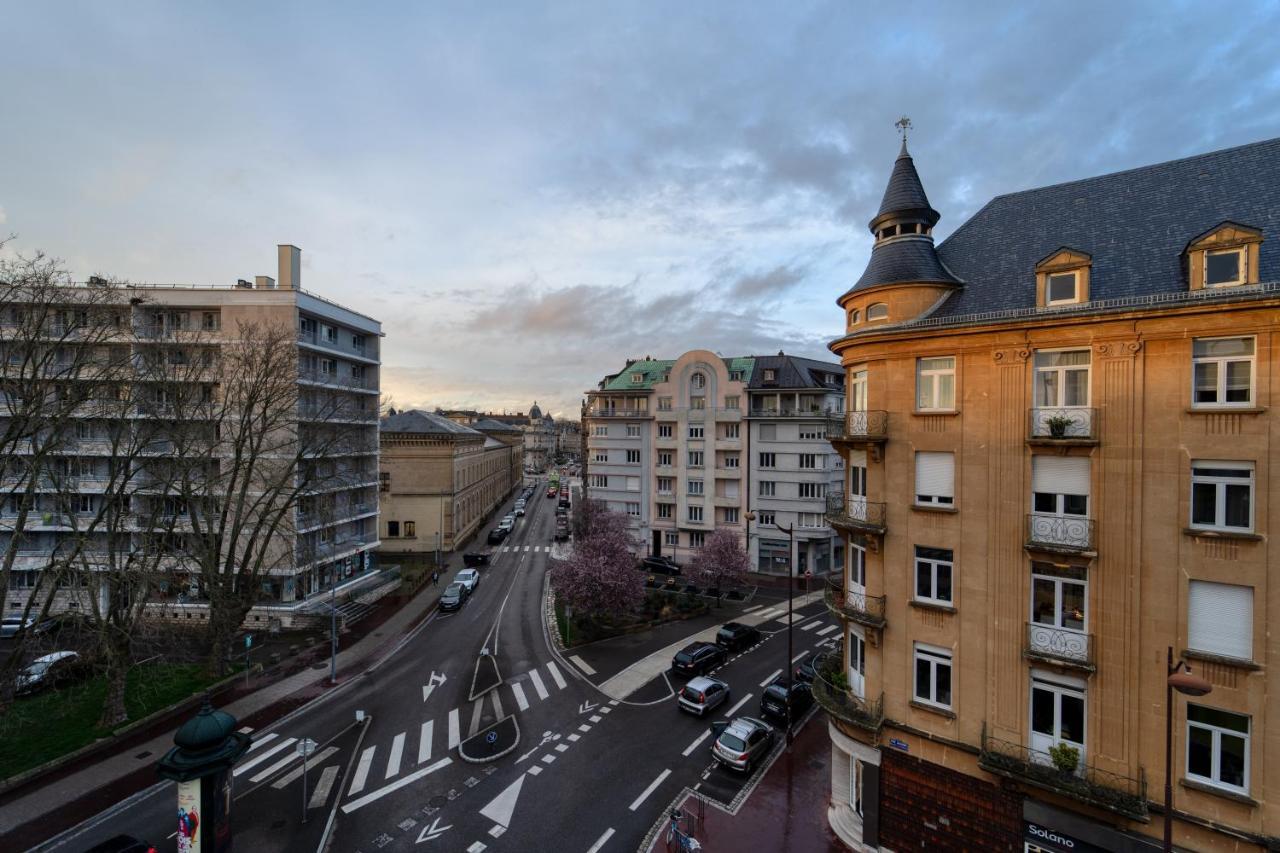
[791,594]
[1179,678]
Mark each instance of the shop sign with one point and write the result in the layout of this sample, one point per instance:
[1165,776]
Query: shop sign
[1041,837]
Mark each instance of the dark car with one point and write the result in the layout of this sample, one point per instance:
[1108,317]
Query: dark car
[453,597]
[659,566]
[51,670]
[474,559]
[807,669]
[697,659]
[497,534]
[735,635]
[122,844]
[773,702]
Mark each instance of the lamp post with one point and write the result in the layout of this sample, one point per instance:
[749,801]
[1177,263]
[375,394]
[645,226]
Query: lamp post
[791,594]
[1180,678]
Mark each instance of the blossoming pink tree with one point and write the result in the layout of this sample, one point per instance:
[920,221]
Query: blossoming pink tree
[721,561]
[600,577]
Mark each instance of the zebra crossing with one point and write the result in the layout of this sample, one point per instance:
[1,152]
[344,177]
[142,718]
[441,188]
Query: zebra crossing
[525,549]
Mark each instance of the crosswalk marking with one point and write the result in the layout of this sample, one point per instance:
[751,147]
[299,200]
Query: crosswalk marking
[814,624]
[274,768]
[362,771]
[265,739]
[497,705]
[555,674]
[753,607]
[477,708]
[313,762]
[582,665]
[537,684]
[263,756]
[827,630]
[397,750]
[518,691]
[768,614]
[321,794]
[454,739]
[424,742]
[395,786]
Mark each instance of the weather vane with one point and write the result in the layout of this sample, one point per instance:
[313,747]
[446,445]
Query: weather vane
[903,125]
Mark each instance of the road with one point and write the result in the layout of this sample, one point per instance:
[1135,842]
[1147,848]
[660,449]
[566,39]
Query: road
[588,773]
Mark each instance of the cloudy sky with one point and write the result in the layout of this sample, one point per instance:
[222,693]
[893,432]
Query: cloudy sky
[527,194]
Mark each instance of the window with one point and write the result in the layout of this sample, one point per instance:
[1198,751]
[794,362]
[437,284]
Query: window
[697,538]
[1224,267]
[698,381]
[1220,619]
[393,529]
[768,460]
[768,488]
[697,403]
[664,404]
[731,402]
[666,510]
[331,334]
[731,515]
[357,342]
[384,481]
[633,510]
[812,433]
[853,317]
[810,461]
[666,431]
[602,431]
[666,485]
[878,311]
[731,460]
[695,458]
[1222,372]
[1218,748]
[633,457]
[671,537]
[600,481]
[695,487]
[732,431]
[1062,379]
[695,513]
[936,384]
[935,479]
[209,321]
[734,376]
[770,375]
[1222,496]
[1060,485]
[602,456]
[810,520]
[666,459]
[633,430]
[1062,288]
[765,518]
[933,575]
[411,529]
[695,432]
[813,490]
[933,676]
[637,378]
[1059,602]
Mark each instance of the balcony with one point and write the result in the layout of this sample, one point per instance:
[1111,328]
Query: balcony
[1062,426]
[859,515]
[785,412]
[1091,785]
[317,340]
[326,378]
[858,429]
[831,692]
[854,606]
[618,413]
[1061,534]
[1059,646]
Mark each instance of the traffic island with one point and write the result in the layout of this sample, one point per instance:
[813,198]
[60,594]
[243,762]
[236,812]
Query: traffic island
[486,677]
[491,743]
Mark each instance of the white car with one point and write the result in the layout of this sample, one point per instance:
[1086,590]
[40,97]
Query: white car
[519,509]
[508,522]
[469,578]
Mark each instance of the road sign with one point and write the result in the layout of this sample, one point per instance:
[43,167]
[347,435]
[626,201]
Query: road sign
[248,640]
[491,737]
[305,747]
[808,573]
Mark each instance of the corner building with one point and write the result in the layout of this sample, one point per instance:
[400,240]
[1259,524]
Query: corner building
[1058,447]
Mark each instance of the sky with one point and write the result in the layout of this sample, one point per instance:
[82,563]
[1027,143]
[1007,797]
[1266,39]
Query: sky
[527,194]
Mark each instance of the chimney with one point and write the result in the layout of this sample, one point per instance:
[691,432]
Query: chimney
[242,283]
[264,282]
[290,267]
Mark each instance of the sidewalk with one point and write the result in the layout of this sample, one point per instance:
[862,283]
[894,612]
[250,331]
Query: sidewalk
[787,811]
[131,768]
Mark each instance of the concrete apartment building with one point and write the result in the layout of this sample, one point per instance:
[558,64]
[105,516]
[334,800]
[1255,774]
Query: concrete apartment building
[692,444]
[440,479]
[332,535]
[1058,455]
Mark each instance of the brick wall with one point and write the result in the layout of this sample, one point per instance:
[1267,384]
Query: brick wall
[925,806]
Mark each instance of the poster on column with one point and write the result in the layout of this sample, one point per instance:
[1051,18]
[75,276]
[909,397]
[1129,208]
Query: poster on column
[189,814]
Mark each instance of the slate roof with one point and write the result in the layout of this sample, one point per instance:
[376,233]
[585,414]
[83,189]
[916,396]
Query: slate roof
[424,423]
[795,372]
[652,369]
[1135,224]
[904,193]
[490,425]
[911,259]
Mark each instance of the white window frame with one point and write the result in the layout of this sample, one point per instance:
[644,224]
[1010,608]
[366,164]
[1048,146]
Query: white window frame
[666,485]
[697,538]
[1061,371]
[934,566]
[812,491]
[732,460]
[936,500]
[1075,288]
[877,311]
[1242,267]
[813,433]
[671,537]
[696,459]
[809,461]
[602,456]
[633,457]
[666,459]
[666,431]
[768,488]
[602,431]
[732,431]
[731,515]
[694,487]
[768,460]
[666,510]
[1220,493]
[664,404]
[765,518]
[633,430]
[1220,363]
[633,509]
[930,378]
[936,657]
[696,432]
[1216,757]
[698,381]
[637,378]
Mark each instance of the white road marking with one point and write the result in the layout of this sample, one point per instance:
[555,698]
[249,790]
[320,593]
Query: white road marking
[362,771]
[827,630]
[595,718]
[538,685]
[313,762]
[497,705]
[257,742]
[424,741]
[394,786]
[562,747]
[244,730]
[766,615]
[548,759]
[274,768]
[735,708]
[771,677]
[595,848]
[533,771]
[613,701]
[753,607]
[320,795]
[605,710]
[584,728]
[476,848]
[814,624]
[574,738]
[649,790]
[691,747]
[397,750]
[263,756]
[555,674]
[501,807]
[526,549]
[797,657]
[518,692]
[477,708]
[496,830]
[582,665]
[454,738]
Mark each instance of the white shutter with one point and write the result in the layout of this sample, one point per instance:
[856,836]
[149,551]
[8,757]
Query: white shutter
[858,458]
[633,484]
[935,474]
[1220,619]
[1060,475]
[731,488]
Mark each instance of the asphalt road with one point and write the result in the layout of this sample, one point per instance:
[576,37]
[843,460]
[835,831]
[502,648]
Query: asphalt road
[588,773]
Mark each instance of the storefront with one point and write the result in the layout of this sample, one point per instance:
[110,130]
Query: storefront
[1047,829]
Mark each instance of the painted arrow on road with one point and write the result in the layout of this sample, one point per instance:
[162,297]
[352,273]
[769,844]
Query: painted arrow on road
[431,833]
[437,678]
[587,707]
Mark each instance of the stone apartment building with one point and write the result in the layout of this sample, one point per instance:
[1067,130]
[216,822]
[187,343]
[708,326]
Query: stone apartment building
[1058,452]
[440,479]
[695,443]
[332,535]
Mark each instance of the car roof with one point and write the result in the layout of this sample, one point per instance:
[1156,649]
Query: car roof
[467,572]
[702,682]
[453,586]
[697,646]
[732,626]
[743,726]
[53,656]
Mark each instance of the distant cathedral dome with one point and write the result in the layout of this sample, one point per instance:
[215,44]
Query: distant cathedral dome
[535,412]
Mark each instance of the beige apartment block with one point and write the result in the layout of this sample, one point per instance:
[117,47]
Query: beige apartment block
[1058,453]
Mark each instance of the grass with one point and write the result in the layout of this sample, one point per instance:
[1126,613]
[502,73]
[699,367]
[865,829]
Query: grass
[43,727]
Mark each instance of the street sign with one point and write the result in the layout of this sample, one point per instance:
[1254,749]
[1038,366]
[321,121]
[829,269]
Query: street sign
[248,640]
[898,744]
[808,573]
[491,737]
[305,747]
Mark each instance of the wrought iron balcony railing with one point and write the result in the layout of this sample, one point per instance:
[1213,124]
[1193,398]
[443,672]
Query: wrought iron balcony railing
[1069,533]
[867,426]
[811,414]
[1092,785]
[1059,645]
[1063,424]
[831,692]
[857,514]
[618,413]
[851,604]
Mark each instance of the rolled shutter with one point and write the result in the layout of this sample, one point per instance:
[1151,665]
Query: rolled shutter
[1220,619]
[935,474]
[1060,475]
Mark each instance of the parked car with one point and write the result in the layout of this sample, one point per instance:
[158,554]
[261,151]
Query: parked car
[497,534]
[697,659]
[741,743]
[701,694]
[551,492]
[807,669]
[520,509]
[773,702]
[51,670]
[453,596]
[508,521]
[469,578]
[735,635]
[122,844]
[562,532]
[659,566]
[474,559]
[12,626]
[564,501]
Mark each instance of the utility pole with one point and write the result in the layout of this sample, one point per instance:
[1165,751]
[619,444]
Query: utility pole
[791,594]
[333,635]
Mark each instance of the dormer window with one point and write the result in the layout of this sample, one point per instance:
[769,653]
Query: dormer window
[1224,267]
[1062,278]
[637,378]
[770,375]
[878,311]
[1062,288]
[1224,256]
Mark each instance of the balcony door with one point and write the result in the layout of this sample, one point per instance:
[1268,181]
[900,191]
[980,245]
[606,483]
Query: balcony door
[858,391]
[1059,610]
[858,485]
[857,587]
[857,663]
[1057,717]
[1060,490]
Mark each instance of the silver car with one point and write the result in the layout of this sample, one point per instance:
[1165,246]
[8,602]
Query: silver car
[469,578]
[742,743]
[701,694]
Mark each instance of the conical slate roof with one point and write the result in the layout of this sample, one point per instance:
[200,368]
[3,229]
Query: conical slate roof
[904,195]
